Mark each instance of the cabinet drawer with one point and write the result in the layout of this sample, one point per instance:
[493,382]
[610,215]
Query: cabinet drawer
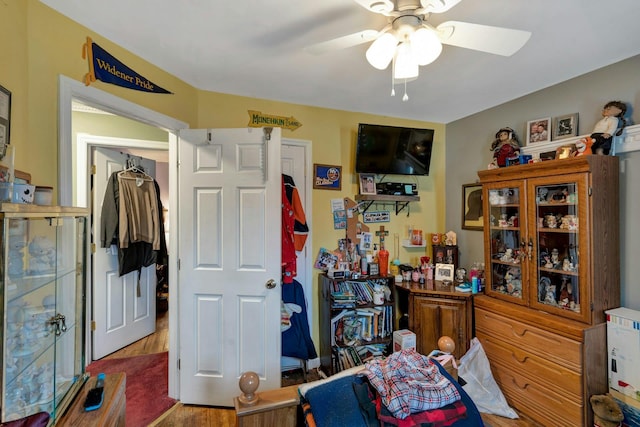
[546,405]
[529,339]
[533,366]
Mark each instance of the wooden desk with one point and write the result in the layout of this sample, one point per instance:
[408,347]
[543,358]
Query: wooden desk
[274,407]
[112,411]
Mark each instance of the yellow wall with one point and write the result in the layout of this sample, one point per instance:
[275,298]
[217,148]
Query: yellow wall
[38,45]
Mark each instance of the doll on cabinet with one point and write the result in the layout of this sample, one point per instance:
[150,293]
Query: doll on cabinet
[505,146]
[604,130]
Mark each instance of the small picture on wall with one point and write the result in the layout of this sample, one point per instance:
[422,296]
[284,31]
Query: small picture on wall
[538,130]
[367,183]
[327,177]
[565,126]
[472,207]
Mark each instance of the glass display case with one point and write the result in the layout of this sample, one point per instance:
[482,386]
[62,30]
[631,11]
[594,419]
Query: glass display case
[42,290]
[550,243]
[507,247]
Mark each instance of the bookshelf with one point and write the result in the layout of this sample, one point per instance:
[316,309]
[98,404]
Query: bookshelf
[352,328]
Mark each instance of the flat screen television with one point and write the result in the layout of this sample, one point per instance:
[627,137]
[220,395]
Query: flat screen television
[393,150]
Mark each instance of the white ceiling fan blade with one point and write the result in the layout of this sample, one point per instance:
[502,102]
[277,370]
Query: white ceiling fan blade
[438,6]
[342,42]
[485,38]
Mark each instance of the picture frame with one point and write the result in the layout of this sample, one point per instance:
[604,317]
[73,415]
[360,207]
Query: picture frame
[327,177]
[565,126]
[472,206]
[5,119]
[368,183]
[538,130]
[444,272]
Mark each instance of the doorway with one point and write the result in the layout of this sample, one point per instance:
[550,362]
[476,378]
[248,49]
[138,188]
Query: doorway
[71,90]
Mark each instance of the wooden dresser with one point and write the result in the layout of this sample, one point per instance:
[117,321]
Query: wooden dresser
[546,367]
[433,310]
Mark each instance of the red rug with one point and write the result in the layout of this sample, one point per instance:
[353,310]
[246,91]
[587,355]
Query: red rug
[147,385]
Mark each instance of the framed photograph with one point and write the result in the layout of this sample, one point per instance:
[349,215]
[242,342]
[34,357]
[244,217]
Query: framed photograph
[367,183]
[5,119]
[472,207]
[444,272]
[327,177]
[538,130]
[565,126]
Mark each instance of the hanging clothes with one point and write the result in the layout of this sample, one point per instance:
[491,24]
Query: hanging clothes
[300,227]
[294,228]
[133,255]
[296,340]
[288,256]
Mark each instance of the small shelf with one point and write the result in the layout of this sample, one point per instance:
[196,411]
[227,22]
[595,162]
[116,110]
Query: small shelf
[400,202]
[406,243]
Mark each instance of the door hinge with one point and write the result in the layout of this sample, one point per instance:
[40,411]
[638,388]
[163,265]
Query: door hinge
[178,264]
[93,170]
[93,325]
[590,191]
[178,364]
[93,248]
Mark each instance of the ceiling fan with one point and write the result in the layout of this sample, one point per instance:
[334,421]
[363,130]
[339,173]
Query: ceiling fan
[410,41]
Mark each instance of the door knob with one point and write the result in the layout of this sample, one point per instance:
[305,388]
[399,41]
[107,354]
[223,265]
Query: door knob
[270,284]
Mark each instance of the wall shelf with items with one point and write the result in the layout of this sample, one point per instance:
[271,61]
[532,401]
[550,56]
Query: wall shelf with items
[406,243]
[400,202]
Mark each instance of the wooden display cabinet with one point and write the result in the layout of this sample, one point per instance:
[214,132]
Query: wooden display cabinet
[552,256]
[352,327]
[435,311]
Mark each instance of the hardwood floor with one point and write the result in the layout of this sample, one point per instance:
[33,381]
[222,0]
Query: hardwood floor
[191,415]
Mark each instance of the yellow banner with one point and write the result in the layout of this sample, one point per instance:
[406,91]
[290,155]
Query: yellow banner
[258,120]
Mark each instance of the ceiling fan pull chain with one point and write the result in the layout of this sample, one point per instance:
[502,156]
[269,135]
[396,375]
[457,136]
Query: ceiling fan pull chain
[393,68]
[405,98]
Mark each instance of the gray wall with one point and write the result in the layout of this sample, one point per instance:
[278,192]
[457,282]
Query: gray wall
[468,141]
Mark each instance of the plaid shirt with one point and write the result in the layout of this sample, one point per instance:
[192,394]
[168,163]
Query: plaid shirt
[409,382]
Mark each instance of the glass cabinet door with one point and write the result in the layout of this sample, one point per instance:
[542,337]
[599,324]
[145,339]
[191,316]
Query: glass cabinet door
[559,218]
[43,328]
[506,220]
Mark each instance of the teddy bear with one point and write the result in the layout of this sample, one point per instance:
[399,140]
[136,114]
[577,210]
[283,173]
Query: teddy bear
[514,284]
[606,412]
[43,255]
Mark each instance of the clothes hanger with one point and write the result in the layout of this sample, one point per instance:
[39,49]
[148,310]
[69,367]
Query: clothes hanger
[131,166]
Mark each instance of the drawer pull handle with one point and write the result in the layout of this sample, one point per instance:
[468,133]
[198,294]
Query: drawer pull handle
[519,332]
[522,387]
[521,358]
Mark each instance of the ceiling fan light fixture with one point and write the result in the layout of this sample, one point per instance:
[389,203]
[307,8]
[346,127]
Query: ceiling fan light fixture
[381,51]
[405,65]
[425,46]
[381,6]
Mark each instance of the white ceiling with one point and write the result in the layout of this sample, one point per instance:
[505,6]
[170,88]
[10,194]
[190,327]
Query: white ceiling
[254,48]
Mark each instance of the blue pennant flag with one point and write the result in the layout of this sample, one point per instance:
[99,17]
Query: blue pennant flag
[103,66]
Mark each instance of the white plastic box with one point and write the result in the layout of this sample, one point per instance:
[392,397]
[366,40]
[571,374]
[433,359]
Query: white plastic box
[623,349]
[403,339]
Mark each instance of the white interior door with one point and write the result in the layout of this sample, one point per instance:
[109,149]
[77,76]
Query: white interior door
[229,250]
[121,315]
